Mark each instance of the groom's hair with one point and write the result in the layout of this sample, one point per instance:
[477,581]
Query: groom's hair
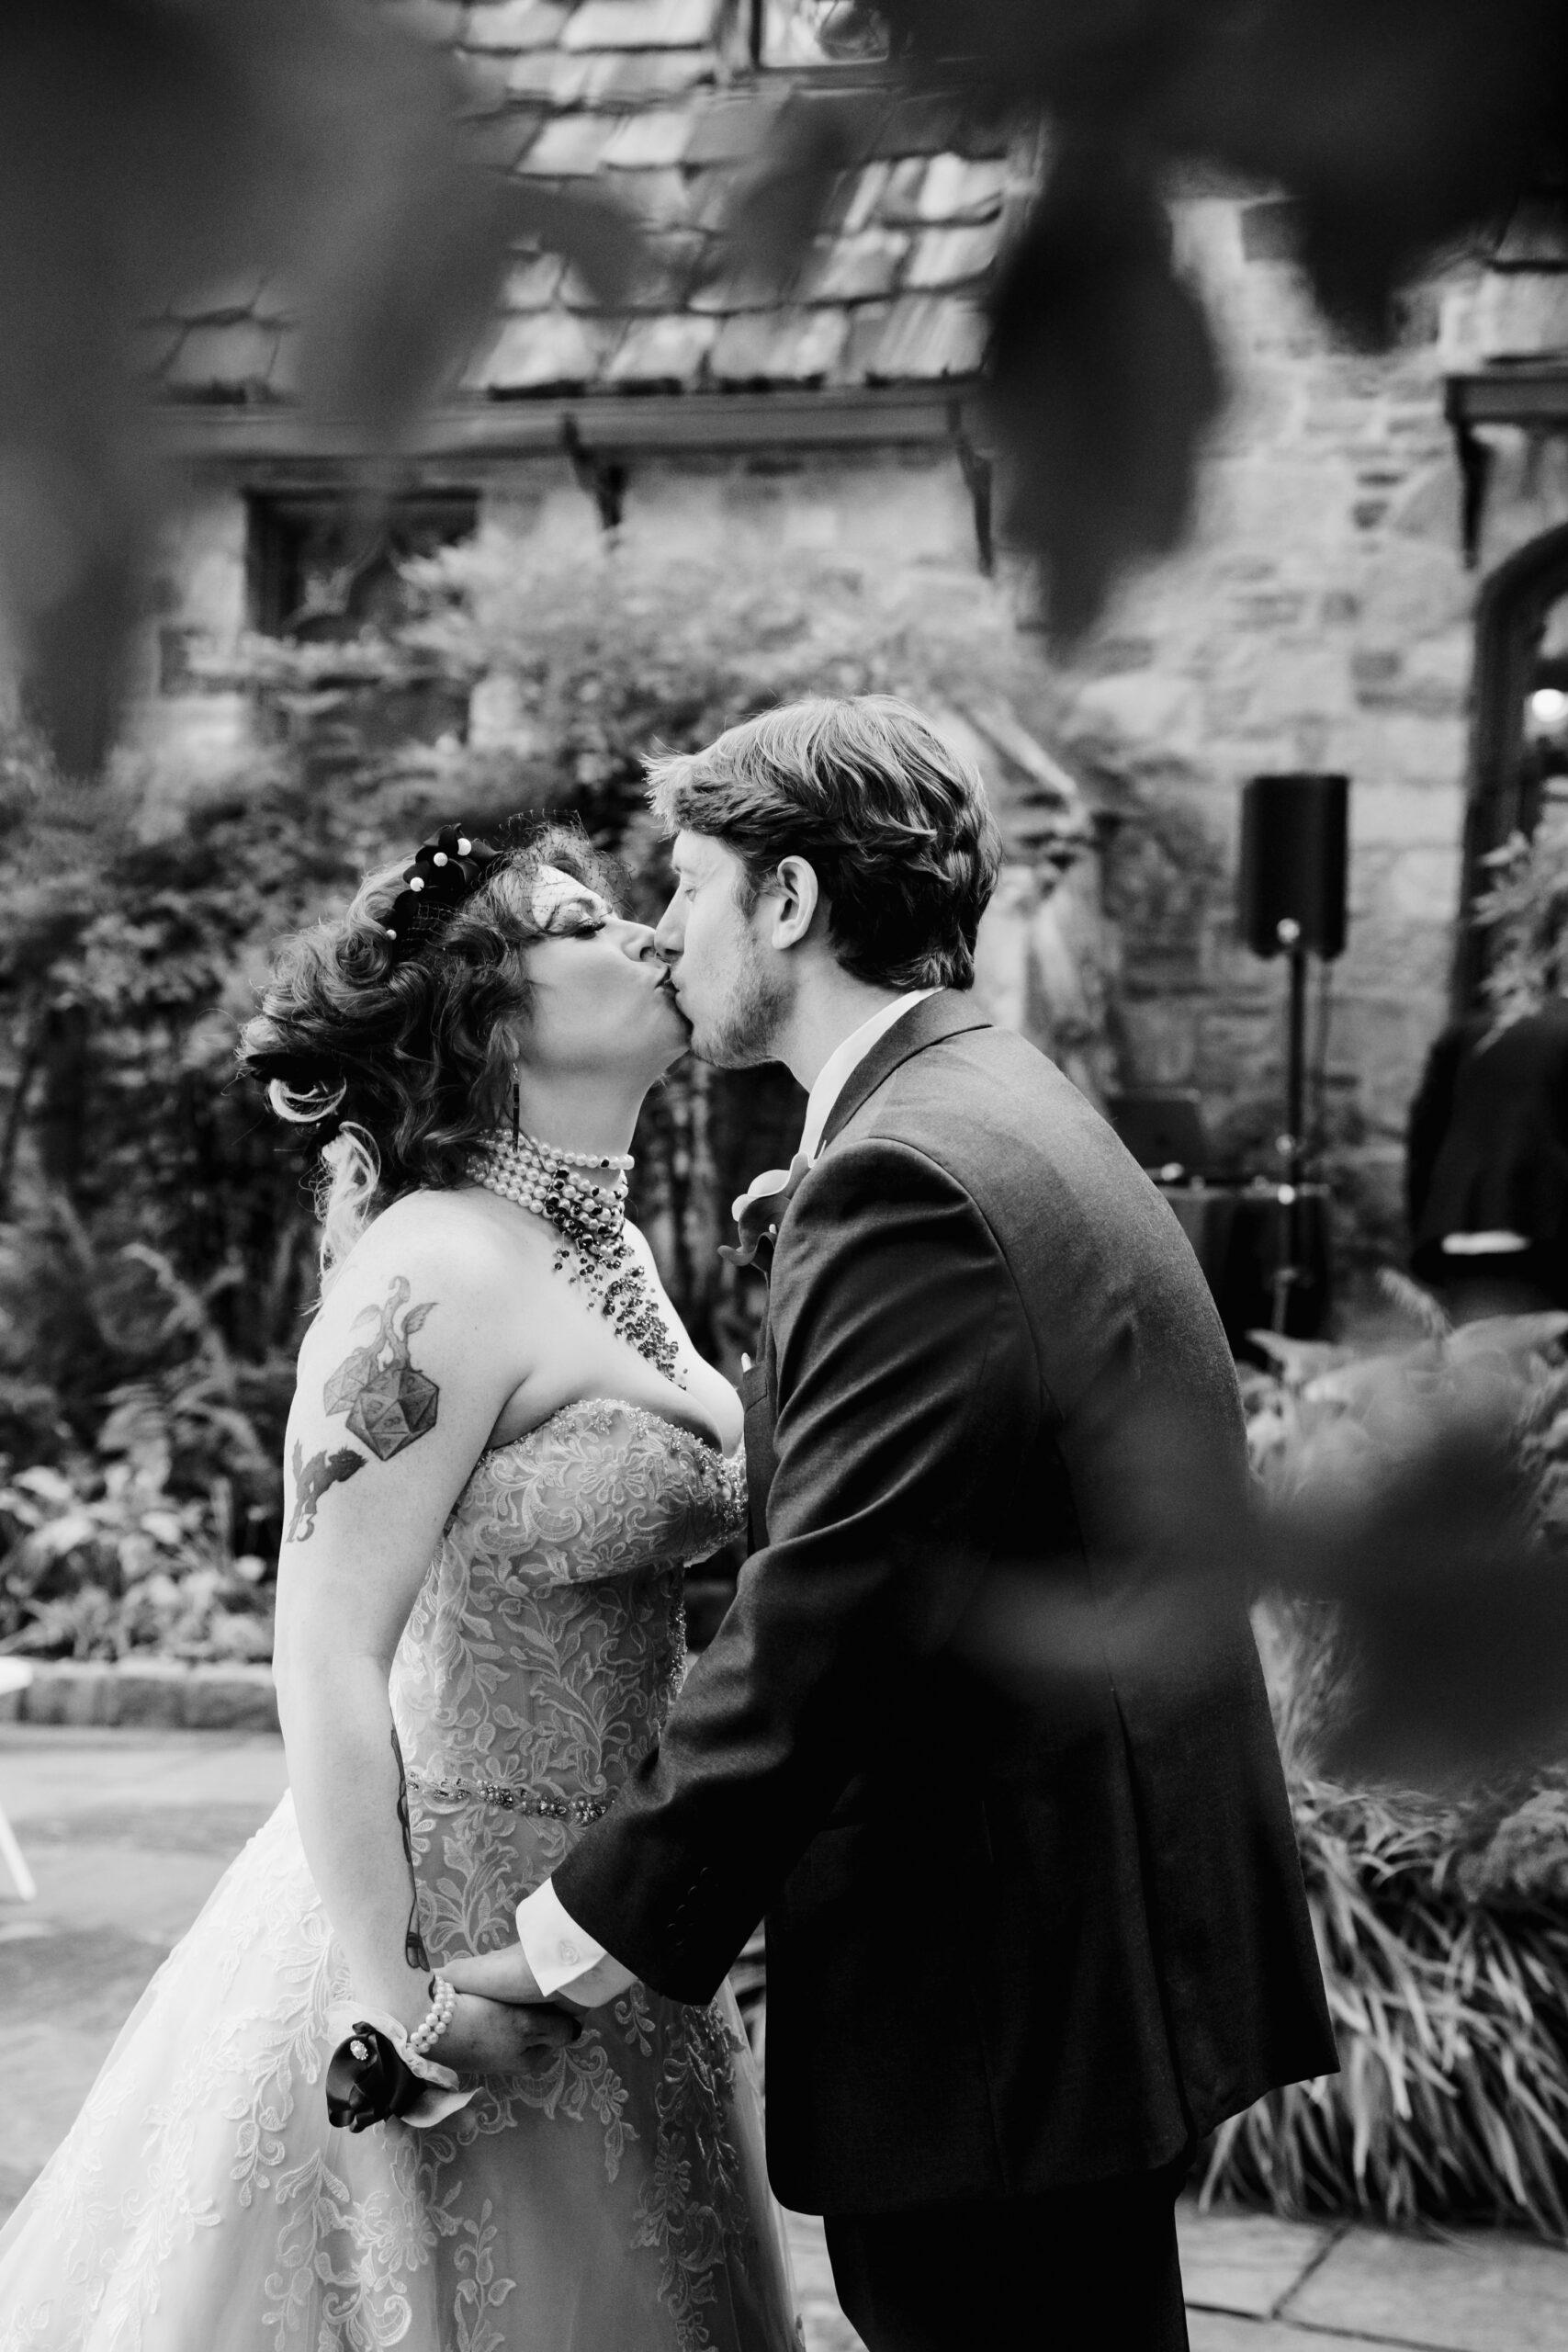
[892,820]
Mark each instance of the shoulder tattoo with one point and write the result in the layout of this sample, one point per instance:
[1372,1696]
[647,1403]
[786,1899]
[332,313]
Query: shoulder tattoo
[389,1403]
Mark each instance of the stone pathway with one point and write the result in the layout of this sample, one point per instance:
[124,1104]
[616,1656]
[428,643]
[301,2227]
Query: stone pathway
[127,1831]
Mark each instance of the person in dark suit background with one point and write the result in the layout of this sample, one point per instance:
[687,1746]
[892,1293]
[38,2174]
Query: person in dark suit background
[1486,1164]
[995,1763]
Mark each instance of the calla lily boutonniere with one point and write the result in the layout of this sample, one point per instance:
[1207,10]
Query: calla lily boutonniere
[758,1212]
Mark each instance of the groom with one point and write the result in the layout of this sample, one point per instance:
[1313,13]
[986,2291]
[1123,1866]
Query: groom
[984,1734]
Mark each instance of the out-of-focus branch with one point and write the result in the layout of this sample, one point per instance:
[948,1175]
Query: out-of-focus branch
[1398,126]
[1415,1506]
[150,149]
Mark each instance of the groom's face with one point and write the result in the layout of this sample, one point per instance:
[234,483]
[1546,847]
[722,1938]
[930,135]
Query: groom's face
[729,984]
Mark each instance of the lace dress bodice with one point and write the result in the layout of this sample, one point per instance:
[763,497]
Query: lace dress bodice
[549,1640]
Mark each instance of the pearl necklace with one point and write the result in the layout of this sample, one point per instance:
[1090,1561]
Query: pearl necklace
[595,1254]
[538,1177]
[622,1161]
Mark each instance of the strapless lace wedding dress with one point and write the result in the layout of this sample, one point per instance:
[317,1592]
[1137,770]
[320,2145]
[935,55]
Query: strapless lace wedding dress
[615,2202]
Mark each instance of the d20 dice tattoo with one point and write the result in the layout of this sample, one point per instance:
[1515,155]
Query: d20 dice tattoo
[388,1403]
[391,1410]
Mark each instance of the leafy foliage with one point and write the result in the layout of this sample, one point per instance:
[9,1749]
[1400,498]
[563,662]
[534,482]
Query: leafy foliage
[1450,2007]
[1525,911]
[593,652]
[1438,1912]
[104,1561]
[156,1238]
[156,1249]
[132,1544]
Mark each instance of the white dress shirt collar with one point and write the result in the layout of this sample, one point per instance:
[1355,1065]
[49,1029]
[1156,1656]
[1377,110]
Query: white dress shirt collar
[844,1059]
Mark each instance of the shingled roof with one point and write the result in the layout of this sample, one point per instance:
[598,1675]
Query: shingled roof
[648,98]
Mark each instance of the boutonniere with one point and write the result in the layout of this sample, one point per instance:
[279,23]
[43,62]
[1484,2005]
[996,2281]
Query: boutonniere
[758,1212]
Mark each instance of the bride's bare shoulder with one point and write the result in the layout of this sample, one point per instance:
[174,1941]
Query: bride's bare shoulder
[464,1252]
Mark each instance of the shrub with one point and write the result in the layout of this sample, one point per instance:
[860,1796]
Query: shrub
[1446,1975]
[1439,1917]
[149,1541]
[156,1242]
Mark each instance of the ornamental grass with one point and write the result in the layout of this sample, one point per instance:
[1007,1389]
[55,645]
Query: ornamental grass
[1450,2000]
[1441,1916]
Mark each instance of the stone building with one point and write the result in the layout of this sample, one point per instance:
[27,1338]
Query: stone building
[1357,514]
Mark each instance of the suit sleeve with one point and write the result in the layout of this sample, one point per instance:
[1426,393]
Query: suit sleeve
[906,1387]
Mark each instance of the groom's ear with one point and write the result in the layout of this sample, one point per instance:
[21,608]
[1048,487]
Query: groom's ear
[795,897]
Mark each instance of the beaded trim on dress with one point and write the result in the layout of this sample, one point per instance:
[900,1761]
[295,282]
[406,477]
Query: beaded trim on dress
[511,1800]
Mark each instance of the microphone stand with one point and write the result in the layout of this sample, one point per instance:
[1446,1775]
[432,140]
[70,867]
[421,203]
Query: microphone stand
[1289,1273]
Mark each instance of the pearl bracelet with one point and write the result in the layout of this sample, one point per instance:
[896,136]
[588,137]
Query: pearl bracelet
[436,2018]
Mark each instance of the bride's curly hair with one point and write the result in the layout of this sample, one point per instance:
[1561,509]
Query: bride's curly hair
[392,1062]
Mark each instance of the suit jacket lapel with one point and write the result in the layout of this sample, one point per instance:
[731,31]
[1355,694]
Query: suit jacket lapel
[946,1014]
[757,1401]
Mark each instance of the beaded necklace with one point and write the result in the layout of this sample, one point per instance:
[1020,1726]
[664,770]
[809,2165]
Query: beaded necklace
[595,1254]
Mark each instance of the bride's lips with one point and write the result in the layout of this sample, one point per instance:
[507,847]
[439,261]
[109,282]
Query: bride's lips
[666,987]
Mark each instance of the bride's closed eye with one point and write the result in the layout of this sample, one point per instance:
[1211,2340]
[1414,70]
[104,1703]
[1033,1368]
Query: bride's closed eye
[578,919]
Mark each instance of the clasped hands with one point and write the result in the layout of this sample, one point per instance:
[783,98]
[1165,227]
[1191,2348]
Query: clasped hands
[507,2024]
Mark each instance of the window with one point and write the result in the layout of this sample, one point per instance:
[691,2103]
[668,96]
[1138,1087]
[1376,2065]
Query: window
[320,571]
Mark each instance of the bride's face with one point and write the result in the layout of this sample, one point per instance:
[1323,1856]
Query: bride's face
[600,997]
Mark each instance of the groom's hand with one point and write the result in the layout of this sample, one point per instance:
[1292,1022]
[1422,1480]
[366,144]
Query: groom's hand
[503,1975]
[498,2037]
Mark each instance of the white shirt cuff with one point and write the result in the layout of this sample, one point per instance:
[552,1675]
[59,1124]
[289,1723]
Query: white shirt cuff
[563,1957]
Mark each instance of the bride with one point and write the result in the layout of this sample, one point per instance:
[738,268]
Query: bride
[502,1451]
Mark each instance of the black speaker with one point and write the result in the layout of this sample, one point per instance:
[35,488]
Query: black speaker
[1294,831]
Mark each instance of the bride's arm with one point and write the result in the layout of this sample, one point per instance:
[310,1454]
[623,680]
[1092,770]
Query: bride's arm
[402,1378]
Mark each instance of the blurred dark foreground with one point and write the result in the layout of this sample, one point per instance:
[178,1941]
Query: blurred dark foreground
[1404,1545]
[1411,1504]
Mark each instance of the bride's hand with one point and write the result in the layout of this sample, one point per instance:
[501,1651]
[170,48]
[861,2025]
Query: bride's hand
[489,2037]
[503,1975]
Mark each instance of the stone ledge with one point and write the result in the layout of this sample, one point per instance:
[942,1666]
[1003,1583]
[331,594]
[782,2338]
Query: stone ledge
[160,1692]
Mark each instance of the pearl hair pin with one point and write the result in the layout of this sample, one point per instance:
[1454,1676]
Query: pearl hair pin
[443,873]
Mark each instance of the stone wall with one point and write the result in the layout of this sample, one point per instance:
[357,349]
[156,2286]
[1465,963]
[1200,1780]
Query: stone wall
[1321,617]
[907,509]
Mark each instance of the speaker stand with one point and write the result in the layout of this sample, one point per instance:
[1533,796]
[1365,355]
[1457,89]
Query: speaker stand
[1288,1271]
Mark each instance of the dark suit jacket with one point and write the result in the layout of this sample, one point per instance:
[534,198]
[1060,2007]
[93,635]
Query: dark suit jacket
[1488,1135]
[1030,1920]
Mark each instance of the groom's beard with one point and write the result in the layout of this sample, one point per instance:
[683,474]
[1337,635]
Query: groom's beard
[743,1032]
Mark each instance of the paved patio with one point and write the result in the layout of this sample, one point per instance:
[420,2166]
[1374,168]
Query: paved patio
[127,1831]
